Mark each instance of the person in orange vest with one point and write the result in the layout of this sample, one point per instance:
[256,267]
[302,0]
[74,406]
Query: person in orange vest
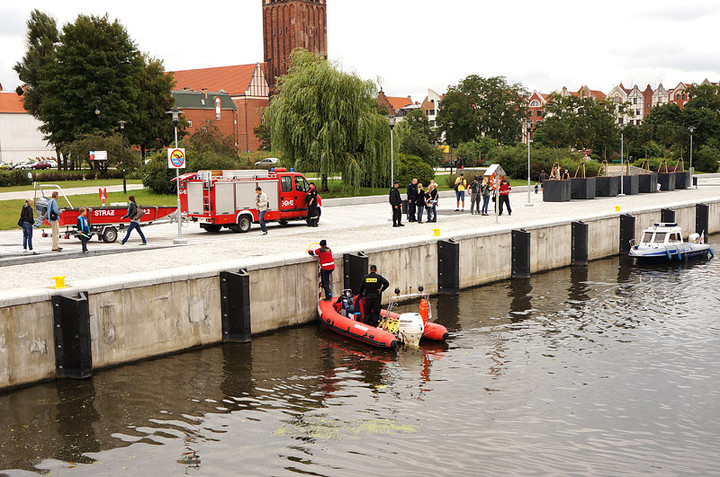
[327,265]
[505,195]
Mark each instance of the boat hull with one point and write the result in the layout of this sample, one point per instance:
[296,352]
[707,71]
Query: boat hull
[354,329]
[657,255]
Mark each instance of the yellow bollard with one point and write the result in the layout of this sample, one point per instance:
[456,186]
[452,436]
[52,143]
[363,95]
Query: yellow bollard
[617,208]
[436,232]
[59,281]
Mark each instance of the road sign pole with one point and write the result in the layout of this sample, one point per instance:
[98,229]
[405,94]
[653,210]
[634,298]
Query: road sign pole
[179,240]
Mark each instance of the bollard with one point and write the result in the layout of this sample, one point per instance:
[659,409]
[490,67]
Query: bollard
[436,232]
[627,232]
[448,267]
[520,254]
[355,267]
[667,215]
[235,307]
[580,243]
[702,220]
[71,330]
[59,281]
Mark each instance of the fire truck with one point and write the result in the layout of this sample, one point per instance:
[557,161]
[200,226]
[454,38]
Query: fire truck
[218,199]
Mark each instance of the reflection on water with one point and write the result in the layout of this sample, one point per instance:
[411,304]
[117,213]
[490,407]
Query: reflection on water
[607,369]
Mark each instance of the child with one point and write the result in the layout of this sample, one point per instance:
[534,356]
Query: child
[83,228]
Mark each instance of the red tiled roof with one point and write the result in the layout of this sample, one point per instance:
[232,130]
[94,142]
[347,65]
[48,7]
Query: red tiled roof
[10,102]
[398,102]
[233,79]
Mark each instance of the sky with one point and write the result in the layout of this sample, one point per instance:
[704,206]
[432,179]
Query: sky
[412,45]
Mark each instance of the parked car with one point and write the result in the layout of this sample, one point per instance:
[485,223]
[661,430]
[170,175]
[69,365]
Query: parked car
[24,165]
[41,165]
[268,162]
[6,165]
[52,162]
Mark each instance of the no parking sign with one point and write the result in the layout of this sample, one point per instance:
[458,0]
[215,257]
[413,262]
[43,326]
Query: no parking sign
[176,158]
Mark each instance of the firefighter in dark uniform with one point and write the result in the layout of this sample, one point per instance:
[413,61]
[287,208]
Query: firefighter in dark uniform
[396,203]
[312,204]
[371,288]
[327,265]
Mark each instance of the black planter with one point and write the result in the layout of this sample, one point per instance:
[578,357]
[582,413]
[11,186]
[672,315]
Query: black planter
[666,181]
[582,188]
[631,184]
[556,191]
[607,186]
[647,183]
[682,180]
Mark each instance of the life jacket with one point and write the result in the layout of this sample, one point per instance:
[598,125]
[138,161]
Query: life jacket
[325,258]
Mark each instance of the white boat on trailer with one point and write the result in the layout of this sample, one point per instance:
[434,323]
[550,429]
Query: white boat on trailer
[663,242]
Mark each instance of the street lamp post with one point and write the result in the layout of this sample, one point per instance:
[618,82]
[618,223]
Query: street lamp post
[391,122]
[529,130]
[692,130]
[122,161]
[622,167]
[176,119]
[450,126]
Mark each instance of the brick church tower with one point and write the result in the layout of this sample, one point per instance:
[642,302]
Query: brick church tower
[290,24]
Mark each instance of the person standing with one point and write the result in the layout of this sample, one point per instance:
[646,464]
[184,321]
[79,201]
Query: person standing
[312,204]
[261,202]
[431,197]
[543,177]
[566,175]
[396,204]
[474,190]
[420,201]
[26,222]
[460,186]
[505,195]
[412,194]
[485,191]
[83,228]
[371,288]
[53,216]
[134,213]
[327,265]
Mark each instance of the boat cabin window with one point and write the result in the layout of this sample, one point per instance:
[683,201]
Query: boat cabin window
[286,183]
[660,237]
[675,237]
[301,184]
[647,237]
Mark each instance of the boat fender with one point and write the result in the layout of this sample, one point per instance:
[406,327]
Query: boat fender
[424,310]
[712,254]
[669,256]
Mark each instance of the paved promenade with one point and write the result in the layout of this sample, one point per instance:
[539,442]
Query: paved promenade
[347,228]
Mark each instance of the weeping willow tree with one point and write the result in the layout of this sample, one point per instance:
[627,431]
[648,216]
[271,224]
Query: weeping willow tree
[325,120]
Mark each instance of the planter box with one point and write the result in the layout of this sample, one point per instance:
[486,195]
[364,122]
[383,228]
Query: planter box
[556,191]
[682,180]
[631,184]
[666,181]
[647,183]
[582,188]
[607,186]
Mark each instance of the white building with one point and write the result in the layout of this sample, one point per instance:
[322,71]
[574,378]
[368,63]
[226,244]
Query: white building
[20,136]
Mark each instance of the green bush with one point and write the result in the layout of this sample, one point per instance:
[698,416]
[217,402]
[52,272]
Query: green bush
[706,159]
[159,178]
[14,177]
[410,167]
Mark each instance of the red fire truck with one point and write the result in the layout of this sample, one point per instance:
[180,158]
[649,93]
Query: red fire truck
[218,199]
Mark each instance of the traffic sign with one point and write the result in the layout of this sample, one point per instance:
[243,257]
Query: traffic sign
[176,158]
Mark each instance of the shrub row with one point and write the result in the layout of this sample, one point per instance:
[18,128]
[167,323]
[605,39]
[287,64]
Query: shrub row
[20,177]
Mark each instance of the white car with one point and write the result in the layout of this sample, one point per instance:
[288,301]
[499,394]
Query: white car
[267,162]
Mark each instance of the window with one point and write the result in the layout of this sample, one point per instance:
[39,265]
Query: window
[286,183]
[530,113]
[683,96]
[647,237]
[218,108]
[634,100]
[189,123]
[675,237]
[432,112]
[677,96]
[539,113]
[534,103]
[301,184]
[659,237]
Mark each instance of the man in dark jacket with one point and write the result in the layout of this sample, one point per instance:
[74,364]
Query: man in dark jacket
[396,204]
[412,193]
[371,288]
[311,198]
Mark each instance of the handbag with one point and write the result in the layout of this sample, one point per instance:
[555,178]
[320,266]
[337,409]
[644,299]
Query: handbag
[20,222]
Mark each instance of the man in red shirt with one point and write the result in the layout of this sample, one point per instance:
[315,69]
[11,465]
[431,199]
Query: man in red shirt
[327,265]
[505,195]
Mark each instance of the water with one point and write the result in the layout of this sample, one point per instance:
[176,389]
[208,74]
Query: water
[605,370]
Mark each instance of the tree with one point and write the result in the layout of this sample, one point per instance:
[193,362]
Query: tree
[262,132]
[413,137]
[42,37]
[79,151]
[152,128]
[484,107]
[326,120]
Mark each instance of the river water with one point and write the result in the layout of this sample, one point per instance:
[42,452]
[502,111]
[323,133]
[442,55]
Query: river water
[605,370]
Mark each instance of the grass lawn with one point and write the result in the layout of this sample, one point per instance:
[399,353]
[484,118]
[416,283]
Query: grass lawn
[10,209]
[69,184]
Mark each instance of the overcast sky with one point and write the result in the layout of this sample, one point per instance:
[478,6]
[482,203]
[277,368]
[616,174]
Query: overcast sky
[413,45]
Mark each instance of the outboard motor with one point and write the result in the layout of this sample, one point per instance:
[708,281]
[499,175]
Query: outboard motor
[411,328]
[40,210]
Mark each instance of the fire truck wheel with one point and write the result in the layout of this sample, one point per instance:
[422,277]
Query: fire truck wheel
[109,235]
[243,224]
[283,222]
[214,228]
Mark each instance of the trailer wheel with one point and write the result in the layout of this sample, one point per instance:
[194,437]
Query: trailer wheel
[283,222]
[109,235]
[213,228]
[243,224]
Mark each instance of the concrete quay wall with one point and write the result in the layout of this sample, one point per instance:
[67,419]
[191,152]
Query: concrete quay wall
[152,314]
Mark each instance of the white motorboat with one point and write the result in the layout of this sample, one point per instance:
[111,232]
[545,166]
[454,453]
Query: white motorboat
[663,242]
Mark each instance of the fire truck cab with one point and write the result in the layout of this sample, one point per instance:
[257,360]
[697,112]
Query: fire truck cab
[218,199]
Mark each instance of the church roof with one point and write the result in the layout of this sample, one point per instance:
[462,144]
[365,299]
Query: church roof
[10,102]
[235,79]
